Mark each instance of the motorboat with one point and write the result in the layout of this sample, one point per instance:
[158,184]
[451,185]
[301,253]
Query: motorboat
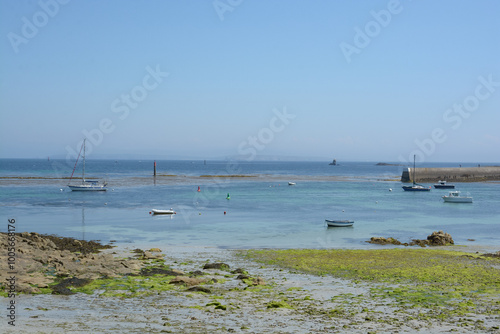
[339,223]
[291,183]
[456,197]
[444,185]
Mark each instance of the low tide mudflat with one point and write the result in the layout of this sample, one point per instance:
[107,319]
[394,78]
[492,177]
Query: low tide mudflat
[210,290]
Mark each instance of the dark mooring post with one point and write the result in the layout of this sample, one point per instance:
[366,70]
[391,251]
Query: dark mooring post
[154,172]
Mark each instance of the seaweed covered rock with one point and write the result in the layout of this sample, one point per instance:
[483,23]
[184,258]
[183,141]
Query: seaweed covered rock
[63,287]
[435,239]
[43,259]
[188,281]
[497,254]
[440,239]
[160,271]
[199,289]
[384,241]
[219,266]
[45,242]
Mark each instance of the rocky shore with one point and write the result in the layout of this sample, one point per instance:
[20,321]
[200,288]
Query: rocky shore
[66,285]
[435,239]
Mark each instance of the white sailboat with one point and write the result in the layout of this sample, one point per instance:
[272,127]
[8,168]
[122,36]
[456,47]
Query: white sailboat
[86,185]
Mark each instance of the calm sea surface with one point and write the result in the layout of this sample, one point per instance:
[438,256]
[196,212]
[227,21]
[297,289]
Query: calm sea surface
[263,210]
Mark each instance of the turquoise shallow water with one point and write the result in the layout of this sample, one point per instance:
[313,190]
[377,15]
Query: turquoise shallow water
[263,212]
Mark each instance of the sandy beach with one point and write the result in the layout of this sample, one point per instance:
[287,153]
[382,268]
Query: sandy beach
[243,297]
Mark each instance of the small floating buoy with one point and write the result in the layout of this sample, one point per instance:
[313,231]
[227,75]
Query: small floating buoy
[224,212]
[390,189]
[342,210]
[149,212]
[105,203]
[376,202]
[228,197]
[199,189]
[60,189]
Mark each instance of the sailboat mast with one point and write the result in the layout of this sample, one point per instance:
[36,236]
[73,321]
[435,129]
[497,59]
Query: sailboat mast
[83,172]
[413,166]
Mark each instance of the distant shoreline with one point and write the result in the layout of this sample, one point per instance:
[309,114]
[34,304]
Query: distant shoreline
[166,179]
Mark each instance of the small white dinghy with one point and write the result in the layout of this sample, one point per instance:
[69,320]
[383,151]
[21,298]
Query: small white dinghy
[163,212]
[339,223]
[291,183]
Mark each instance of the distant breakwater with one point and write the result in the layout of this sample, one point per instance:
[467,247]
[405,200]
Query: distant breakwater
[458,174]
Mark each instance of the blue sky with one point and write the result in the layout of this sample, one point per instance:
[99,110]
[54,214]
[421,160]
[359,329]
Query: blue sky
[351,80]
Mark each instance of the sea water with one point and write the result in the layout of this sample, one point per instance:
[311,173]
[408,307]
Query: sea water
[263,210]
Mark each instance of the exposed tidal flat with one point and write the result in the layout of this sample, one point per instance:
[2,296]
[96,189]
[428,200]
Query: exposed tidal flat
[210,290]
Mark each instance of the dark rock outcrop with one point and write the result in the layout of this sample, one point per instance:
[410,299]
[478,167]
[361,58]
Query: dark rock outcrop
[435,239]
[219,266]
[440,239]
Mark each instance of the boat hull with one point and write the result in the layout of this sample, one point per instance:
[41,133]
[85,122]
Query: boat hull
[413,188]
[339,223]
[163,212]
[457,200]
[440,186]
[87,188]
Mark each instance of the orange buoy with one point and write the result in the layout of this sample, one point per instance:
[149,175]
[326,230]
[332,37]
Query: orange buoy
[199,188]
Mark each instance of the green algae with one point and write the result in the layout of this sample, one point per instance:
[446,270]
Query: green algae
[448,283]
[128,286]
[218,306]
[278,304]
[389,265]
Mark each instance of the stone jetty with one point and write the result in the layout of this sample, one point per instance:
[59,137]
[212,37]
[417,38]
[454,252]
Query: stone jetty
[453,174]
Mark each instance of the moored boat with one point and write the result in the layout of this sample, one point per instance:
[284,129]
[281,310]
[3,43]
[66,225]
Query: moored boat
[163,212]
[339,223]
[415,186]
[456,197]
[86,185]
[444,185]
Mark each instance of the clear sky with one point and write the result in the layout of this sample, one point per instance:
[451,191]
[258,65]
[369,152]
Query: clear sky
[351,80]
